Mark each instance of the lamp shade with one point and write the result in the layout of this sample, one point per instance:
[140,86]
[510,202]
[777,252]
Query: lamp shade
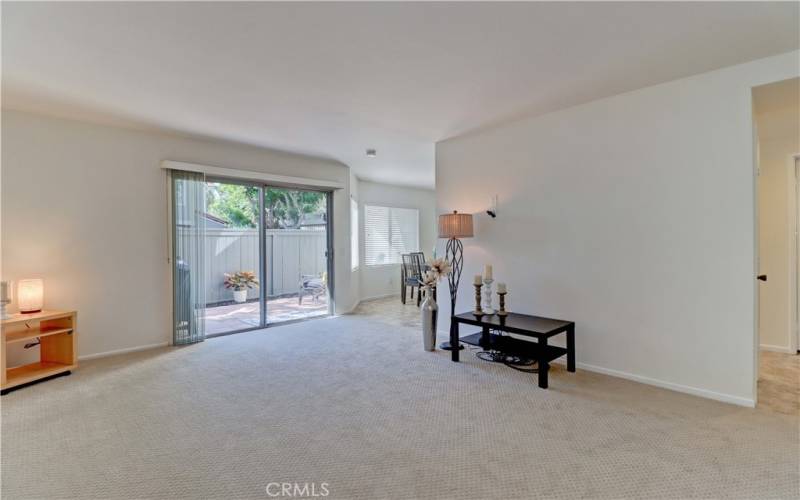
[30,295]
[455,225]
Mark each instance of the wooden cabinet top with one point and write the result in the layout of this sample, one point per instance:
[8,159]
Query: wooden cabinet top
[39,316]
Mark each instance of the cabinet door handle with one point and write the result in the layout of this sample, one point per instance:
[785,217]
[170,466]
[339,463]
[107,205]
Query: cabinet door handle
[762,277]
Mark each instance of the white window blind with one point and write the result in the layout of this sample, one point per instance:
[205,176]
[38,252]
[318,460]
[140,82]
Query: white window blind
[389,232]
[353,234]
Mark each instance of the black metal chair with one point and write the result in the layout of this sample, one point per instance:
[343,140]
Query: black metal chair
[422,268]
[411,276]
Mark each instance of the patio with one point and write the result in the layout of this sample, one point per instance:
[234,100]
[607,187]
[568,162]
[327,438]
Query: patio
[232,317]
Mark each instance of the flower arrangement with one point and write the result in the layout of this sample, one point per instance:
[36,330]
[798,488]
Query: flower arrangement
[241,281]
[439,268]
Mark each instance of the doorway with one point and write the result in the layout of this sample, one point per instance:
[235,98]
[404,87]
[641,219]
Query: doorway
[777,140]
[268,258]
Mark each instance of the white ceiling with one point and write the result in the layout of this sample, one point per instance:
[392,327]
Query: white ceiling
[334,79]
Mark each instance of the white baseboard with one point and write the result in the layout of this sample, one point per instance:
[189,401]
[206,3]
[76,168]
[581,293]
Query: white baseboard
[686,389]
[377,297]
[122,351]
[776,348]
[694,391]
[367,299]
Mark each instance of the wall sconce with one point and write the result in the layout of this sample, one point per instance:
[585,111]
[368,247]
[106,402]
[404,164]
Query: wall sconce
[30,295]
[493,207]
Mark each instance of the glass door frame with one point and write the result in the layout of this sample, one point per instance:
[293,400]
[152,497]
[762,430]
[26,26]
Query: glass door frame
[329,257]
[262,248]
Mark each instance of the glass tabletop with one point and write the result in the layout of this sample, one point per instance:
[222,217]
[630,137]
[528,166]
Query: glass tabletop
[516,322]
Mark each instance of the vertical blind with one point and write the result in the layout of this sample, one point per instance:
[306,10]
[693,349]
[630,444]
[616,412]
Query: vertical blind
[353,234]
[188,256]
[389,232]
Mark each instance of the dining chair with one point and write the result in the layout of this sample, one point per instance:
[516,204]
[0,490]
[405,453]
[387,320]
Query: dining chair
[411,275]
[403,277]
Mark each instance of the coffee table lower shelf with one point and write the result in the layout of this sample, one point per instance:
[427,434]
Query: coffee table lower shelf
[515,347]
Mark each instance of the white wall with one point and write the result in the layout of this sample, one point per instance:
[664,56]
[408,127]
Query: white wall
[633,216]
[379,281]
[84,207]
[777,115]
[355,274]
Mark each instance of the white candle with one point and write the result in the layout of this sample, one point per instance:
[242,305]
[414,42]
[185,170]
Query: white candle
[501,288]
[487,271]
[478,279]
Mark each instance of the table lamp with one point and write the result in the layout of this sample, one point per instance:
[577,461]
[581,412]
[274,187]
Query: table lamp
[454,226]
[30,295]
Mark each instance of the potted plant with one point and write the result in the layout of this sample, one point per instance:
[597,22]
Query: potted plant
[240,282]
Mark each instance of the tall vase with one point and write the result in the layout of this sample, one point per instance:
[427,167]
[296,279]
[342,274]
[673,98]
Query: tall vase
[430,309]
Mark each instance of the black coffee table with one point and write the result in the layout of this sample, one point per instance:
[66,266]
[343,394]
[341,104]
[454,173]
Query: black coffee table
[522,324]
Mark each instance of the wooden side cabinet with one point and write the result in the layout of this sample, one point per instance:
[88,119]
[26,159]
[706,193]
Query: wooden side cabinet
[57,332]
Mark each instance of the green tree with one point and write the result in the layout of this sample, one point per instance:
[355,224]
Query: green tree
[288,208]
[234,203]
[284,208]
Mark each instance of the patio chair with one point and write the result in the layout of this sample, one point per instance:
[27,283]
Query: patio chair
[311,285]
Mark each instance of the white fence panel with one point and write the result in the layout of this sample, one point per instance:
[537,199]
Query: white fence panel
[290,254]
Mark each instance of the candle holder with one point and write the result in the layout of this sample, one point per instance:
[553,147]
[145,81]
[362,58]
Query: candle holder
[502,300]
[487,295]
[478,311]
[6,294]
[3,312]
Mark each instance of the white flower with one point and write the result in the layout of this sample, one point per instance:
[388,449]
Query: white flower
[429,279]
[440,268]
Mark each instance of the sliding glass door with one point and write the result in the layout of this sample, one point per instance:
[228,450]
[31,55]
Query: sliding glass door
[297,250]
[267,255]
[233,254]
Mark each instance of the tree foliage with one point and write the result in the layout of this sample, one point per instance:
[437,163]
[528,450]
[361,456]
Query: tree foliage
[288,208]
[285,208]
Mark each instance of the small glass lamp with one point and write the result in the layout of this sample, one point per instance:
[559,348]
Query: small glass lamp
[30,295]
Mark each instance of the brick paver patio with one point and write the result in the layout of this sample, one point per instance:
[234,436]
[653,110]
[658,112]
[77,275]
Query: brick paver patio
[232,317]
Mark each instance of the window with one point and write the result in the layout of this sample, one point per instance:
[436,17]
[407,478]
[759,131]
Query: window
[389,232]
[353,234]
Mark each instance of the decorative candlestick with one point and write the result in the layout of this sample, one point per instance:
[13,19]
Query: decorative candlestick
[487,295]
[478,311]
[5,298]
[502,300]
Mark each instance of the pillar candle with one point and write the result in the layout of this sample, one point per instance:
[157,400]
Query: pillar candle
[478,279]
[487,271]
[501,288]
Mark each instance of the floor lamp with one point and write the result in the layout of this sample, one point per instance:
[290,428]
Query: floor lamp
[454,227]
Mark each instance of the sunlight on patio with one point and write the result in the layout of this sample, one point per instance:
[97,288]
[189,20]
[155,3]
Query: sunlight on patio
[232,317]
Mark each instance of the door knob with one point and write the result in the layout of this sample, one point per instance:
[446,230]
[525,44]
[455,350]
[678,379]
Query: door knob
[762,277]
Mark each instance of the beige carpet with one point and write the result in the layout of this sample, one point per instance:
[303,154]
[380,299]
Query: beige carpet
[359,405]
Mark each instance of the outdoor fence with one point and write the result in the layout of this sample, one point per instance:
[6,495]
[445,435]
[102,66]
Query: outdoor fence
[290,253]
